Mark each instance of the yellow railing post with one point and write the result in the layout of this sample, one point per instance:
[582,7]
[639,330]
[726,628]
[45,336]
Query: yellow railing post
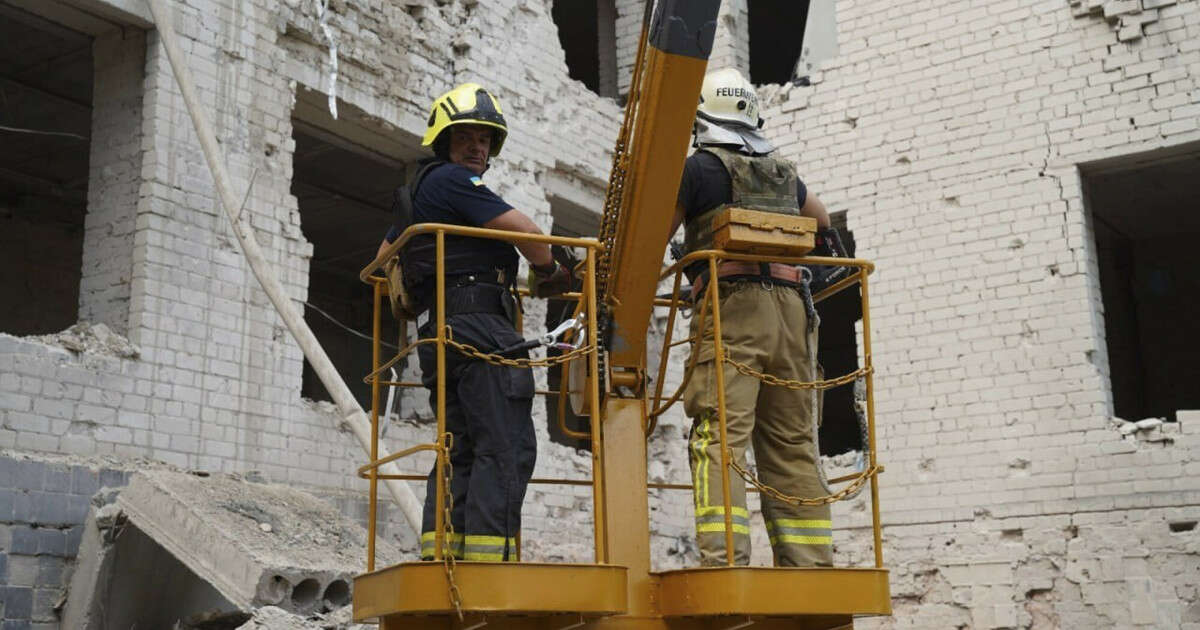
[442,454]
[598,506]
[866,320]
[376,327]
[652,420]
[719,366]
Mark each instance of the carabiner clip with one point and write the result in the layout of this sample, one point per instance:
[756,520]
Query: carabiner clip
[574,325]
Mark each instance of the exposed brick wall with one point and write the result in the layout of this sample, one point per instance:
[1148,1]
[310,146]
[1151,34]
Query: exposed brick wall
[115,176]
[731,45]
[43,505]
[951,134]
[216,385]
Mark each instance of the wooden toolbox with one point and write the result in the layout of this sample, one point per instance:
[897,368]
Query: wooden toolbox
[756,232]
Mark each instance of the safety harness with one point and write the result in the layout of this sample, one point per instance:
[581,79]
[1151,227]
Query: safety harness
[474,283]
[760,183]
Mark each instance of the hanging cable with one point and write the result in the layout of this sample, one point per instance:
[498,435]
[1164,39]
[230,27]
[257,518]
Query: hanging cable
[65,134]
[347,328]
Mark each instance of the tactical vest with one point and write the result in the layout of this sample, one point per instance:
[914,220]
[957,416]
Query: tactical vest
[760,183]
[463,254]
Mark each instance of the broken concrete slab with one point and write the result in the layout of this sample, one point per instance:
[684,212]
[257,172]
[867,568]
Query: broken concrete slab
[177,548]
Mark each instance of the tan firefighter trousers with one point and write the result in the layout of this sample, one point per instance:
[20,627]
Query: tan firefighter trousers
[766,328]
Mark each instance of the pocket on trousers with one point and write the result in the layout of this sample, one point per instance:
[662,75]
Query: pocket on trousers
[699,395]
[518,383]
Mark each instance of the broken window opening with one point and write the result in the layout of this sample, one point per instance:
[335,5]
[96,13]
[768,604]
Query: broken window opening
[837,352]
[345,199]
[1144,222]
[776,31]
[588,35]
[46,77]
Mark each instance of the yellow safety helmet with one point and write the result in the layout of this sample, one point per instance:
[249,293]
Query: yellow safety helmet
[467,104]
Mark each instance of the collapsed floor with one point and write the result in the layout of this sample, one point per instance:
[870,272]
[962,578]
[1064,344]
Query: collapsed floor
[212,552]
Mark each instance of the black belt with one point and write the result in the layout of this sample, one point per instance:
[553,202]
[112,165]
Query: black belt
[473,297]
[493,277]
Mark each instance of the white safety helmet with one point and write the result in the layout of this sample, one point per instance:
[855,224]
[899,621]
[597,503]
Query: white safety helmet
[727,98]
[728,113]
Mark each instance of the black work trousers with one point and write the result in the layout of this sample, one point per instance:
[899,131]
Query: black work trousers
[488,410]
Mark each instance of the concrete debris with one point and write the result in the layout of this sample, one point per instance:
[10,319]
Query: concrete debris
[1148,424]
[93,339]
[217,551]
[1146,427]
[842,460]
[275,618]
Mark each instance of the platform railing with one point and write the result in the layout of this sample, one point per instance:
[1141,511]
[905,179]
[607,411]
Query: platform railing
[708,304]
[442,338]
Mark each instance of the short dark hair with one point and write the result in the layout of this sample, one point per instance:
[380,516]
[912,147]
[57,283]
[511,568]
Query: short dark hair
[441,145]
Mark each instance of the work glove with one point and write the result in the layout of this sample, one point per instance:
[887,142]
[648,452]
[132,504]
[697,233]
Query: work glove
[549,280]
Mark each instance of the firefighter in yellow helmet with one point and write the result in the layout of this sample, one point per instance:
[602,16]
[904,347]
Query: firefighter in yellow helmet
[768,322]
[488,407]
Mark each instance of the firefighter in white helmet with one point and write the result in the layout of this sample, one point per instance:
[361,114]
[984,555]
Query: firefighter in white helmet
[768,323]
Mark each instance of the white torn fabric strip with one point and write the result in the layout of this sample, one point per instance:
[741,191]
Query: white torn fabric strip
[322,15]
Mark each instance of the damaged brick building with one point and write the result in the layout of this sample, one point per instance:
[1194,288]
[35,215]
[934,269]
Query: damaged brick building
[1022,172]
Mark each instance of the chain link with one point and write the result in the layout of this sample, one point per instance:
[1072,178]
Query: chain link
[792,384]
[496,359]
[448,561]
[851,488]
[614,196]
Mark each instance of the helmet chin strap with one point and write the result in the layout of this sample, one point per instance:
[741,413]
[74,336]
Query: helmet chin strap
[744,139]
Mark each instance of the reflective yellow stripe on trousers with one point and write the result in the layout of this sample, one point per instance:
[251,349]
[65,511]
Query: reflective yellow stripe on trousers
[795,531]
[481,548]
[712,519]
[428,541]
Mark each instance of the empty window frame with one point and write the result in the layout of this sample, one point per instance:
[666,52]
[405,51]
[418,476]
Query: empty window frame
[46,76]
[837,352]
[570,219]
[776,32]
[587,33]
[1145,223]
[345,199]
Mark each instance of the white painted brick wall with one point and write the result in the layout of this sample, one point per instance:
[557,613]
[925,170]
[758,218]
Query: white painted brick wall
[104,287]
[949,131]
[216,386]
[951,134]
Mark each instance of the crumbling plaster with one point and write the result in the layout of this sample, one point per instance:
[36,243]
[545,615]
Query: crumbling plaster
[953,136]
[216,383]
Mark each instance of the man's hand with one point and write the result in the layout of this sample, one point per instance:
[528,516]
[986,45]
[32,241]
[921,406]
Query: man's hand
[549,280]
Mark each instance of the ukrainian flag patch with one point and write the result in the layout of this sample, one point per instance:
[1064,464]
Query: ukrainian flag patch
[476,180]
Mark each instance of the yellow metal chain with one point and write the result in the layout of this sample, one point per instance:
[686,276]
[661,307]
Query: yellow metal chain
[448,535]
[496,359]
[791,384]
[851,488]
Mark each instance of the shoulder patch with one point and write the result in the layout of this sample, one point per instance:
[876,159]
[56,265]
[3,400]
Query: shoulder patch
[475,179]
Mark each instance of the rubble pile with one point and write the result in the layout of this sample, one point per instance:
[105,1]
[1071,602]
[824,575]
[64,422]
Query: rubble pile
[275,618]
[93,339]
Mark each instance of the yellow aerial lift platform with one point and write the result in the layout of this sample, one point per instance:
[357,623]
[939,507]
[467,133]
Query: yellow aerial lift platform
[620,272]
